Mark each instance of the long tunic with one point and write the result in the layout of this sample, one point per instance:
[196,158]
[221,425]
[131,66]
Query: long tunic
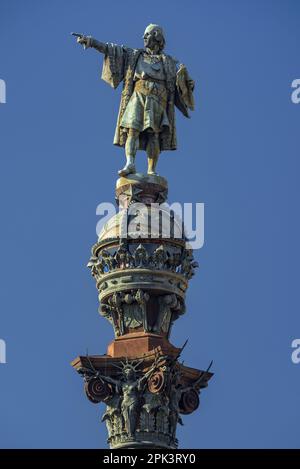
[121,64]
[146,109]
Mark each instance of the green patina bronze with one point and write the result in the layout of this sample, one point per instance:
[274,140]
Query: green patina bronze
[153,84]
[142,277]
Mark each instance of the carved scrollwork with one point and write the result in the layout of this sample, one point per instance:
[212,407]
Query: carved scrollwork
[97,390]
[157,382]
[189,402]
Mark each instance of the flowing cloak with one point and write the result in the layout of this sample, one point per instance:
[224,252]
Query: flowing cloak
[119,66]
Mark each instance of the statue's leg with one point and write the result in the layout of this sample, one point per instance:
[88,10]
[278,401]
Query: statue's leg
[131,147]
[153,151]
[124,411]
[132,420]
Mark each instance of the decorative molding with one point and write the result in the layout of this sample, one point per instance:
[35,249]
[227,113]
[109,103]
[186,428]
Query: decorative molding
[143,403]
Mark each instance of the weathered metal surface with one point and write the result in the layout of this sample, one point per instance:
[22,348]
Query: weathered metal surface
[141,262]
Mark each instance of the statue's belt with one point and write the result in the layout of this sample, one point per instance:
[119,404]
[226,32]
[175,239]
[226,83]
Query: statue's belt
[154,88]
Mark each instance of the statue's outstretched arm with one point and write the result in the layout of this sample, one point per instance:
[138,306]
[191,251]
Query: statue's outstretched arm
[109,380]
[99,46]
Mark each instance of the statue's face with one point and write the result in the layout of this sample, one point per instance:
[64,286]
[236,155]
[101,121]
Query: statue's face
[150,36]
[129,373]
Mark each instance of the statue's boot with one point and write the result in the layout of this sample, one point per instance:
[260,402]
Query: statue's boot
[129,167]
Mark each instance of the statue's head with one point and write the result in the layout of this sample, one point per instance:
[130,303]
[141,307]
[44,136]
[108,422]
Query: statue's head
[154,37]
[129,373]
[129,368]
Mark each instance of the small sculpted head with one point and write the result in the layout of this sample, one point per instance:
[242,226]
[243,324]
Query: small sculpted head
[154,38]
[129,373]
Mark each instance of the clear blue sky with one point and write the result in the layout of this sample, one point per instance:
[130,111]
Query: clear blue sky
[239,154]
